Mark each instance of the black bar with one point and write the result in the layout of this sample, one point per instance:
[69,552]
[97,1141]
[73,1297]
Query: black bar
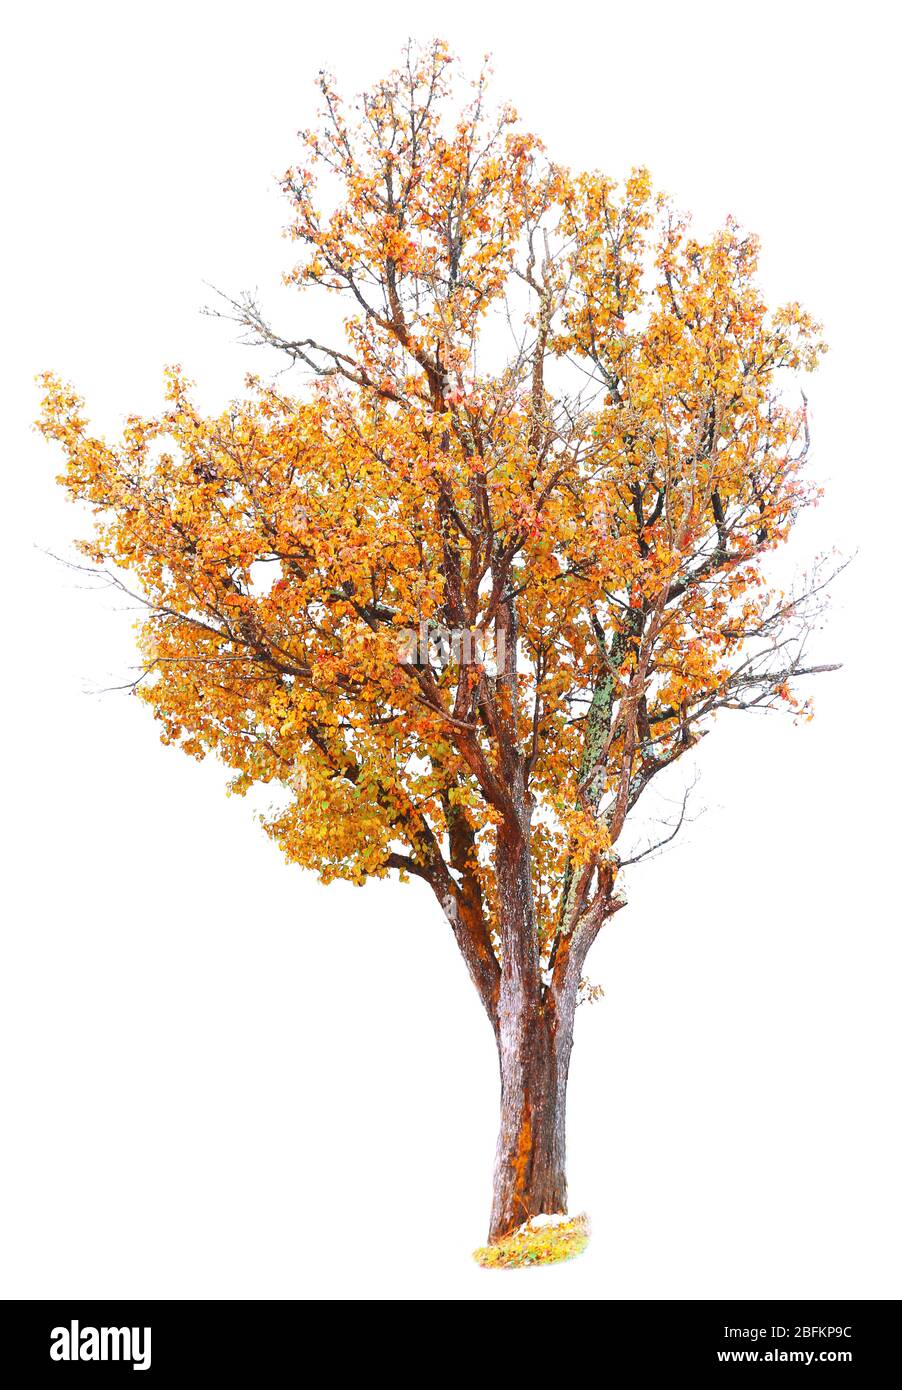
[249,1341]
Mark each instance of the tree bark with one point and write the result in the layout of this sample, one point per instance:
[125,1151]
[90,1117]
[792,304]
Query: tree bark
[535,1040]
[530,1173]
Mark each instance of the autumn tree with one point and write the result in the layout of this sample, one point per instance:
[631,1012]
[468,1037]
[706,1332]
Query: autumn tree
[497,567]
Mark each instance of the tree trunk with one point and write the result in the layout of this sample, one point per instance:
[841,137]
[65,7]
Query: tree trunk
[534,1029]
[530,1176]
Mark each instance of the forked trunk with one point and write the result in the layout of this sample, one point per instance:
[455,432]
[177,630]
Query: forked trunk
[530,1174]
[534,1029]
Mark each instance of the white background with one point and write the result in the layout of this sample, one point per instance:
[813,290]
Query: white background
[218,1077]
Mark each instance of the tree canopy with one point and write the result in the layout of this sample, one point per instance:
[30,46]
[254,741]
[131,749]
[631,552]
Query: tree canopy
[552,418]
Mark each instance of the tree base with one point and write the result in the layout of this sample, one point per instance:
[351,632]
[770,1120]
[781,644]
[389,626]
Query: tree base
[537,1244]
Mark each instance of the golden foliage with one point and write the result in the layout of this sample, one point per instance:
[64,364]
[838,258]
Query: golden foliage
[609,485]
